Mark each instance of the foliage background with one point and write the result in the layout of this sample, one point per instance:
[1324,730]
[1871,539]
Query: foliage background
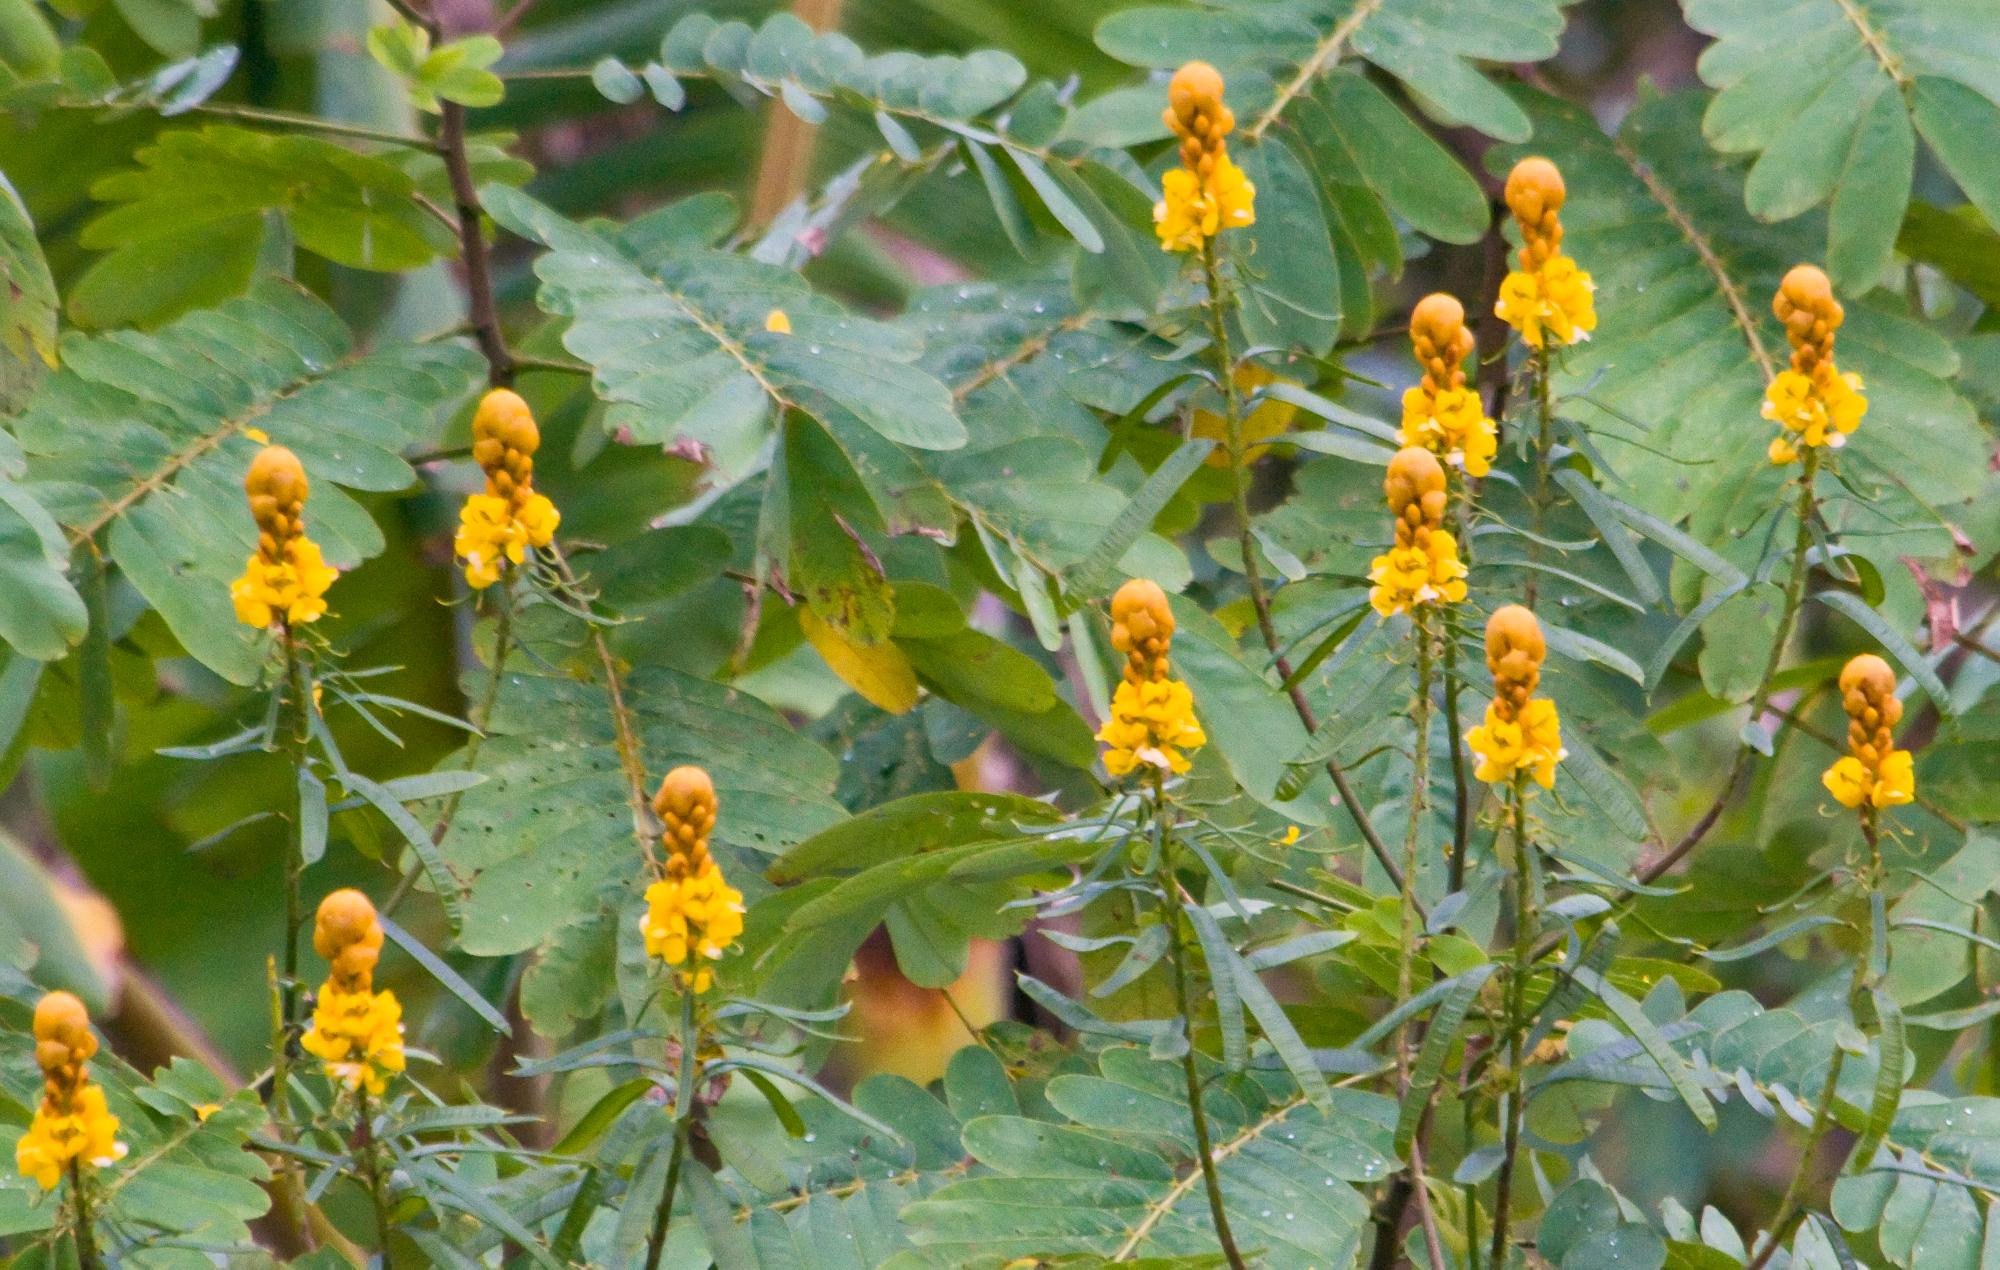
[134,899]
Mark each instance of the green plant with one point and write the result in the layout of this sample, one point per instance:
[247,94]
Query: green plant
[1337,948]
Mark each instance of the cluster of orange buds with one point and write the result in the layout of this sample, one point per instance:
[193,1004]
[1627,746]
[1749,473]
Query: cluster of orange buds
[1207,193]
[286,580]
[1522,732]
[1548,296]
[496,528]
[357,1032]
[1152,719]
[692,913]
[72,1126]
[1422,568]
[1812,400]
[1441,414]
[1873,773]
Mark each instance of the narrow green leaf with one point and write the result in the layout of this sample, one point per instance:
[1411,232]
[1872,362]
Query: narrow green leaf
[1888,1095]
[1634,1019]
[1090,575]
[450,980]
[1894,643]
[1438,1040]
[1612,530]
[1057,200]
[1221,959]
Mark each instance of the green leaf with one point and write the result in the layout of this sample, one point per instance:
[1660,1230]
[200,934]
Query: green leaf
[1439,1037]
[1090,575]
[181,401]
[910,826]
[1824,98]
[1894,643]
[27,304]
[1642,1028]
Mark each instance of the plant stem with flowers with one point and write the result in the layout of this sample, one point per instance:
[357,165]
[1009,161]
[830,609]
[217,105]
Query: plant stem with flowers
[1518,970]
[683,1116]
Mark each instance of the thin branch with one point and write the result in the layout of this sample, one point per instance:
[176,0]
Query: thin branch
[312,123]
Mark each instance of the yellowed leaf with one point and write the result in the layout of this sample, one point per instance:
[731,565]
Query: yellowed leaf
[880,673]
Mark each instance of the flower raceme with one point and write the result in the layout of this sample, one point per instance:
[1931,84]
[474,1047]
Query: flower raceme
[1207,193]
[1152,719]
[1441,414]
[1548,297]
[1813,401]
[496,528]
[285,581]
[1422,567]
[1522,732]
[1873,772]
[72,1123]
[692,913]
[357,1032]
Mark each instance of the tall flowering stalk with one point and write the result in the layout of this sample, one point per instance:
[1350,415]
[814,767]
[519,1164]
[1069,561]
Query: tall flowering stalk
[1816,407]
[692,917]
[1813,402]
[73,1130]
[1420,573]
[1520,740]
[1152,724]
[1441,413]
[1548,299]
[357,1032]
[1873,774]
[498,526]
[1207,193]
[283,588]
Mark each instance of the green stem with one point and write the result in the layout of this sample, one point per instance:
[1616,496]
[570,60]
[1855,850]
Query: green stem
[1795,587]
[371,1172]
[1538,373]
[86,1239]
[1406,958]
[503,632]
[298,736]
[1791,1207]
[312,123]
[1260,600]
[1170,913]
[1461,787]
[683,1125]
[1517,1010]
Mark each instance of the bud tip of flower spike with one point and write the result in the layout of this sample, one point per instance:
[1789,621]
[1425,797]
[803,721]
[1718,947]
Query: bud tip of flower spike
[59,1016]
[1514,627]
[1867,672]
[504,415]
[1438,316]
[1535,187]
[683,790]
[1413,473]
[1807,287]
[276,471]
[1194,85]
[345,917]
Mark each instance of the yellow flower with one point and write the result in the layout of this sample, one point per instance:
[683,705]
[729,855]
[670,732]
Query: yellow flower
[1522,732]
[72,1122]
[1151,723]
[496,528]
[1271,417]
[1208,193]
[1152,714]
[1813,401]
[1873,772]
[1548,296]
[778,322]
[357,1032]
[1423,567]
[692,913]
[1440,413]
[286,580]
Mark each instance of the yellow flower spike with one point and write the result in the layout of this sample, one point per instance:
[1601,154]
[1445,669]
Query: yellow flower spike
[1422,567]
[1873,772]
[285,582]
[1548,297]
[72,1122]
[1208,193]
[496,528]
[1152,719]
[692,913]
[1441,414]
[357,1032]
[1522,732]
[1812,401]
